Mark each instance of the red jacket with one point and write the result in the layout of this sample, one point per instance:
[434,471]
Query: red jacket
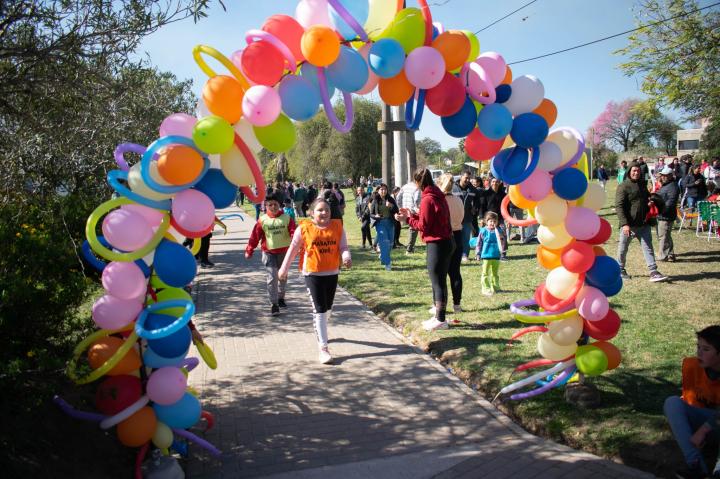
[258,236]
[433,220]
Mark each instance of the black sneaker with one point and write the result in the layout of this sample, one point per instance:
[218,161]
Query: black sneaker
[624,274]
[282,303]
[656,277]
[206,264]
[275,310]
[690,473]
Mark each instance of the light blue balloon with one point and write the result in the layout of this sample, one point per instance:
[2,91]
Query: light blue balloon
[358,9]
[180,415]
[300,98]
[349,72]
[309,72]
[386,58]
[495,121]
[153,360]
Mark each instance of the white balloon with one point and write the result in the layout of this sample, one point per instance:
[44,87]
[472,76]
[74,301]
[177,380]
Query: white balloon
[595,197]
[566,141]
[245,130]
[560,282]
[201,109]
[137,185]
[550,156]
[566,331]
[551,210]
[527,93]
[553,351]
[553,237]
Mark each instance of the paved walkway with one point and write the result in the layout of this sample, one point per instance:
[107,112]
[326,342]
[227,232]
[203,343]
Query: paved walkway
[383,410]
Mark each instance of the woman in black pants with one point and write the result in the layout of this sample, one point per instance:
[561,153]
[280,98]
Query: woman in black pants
[457,213]
[433,223]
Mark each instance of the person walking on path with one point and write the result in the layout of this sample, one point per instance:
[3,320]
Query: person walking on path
[457,212]
[409,198]
[670,193]
[632,204]
[299,199]
[382,210]
[694,415]
[273,232]
[622,172]
[433,223]
[602,176]
[470,198]
[362,211]
[325,248]
[491,201]
[489,247]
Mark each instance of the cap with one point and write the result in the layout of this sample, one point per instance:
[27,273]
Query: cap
[666,171]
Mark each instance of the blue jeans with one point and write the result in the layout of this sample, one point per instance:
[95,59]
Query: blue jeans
[466,234]
[385,236]
[644,235]
[684,420]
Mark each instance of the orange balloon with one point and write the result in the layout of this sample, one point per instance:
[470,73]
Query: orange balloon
[454,46]
[611,351]
[547,110]
[396,90]
[138,428]
[599,251]
[518,199]
[320,45]
[508,76]
[223,96]
[179,164]
[103,349]
[548,258]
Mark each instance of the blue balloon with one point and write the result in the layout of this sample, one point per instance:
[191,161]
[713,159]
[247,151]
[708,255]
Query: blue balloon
[171,345]
[309,72]
[349,72]
[435,32]
[152,360]
[174,264]
[502,93]
[529,130]
[569,184]
[604,272]
[495,121]
[461,123]
[220,191]
[358,9]
[610,290]
[386,58]
[300,98]
[180,415]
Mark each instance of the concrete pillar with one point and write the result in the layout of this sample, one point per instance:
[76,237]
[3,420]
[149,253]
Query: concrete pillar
[411,154]
[400,149]
[386,143]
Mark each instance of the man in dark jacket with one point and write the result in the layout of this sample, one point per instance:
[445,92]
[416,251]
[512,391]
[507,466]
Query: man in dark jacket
[669,192]
[632,205]
[467,193]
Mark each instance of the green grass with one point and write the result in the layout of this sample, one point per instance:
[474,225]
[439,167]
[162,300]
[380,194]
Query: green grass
[658,325]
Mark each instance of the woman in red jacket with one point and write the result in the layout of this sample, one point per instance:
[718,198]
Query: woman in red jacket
[433,223]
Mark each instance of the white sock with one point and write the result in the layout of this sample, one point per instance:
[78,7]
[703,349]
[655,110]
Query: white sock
[320,323]
[329,315]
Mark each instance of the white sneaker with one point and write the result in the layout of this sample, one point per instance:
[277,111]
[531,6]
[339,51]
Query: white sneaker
[325,357]
[433,325]
[457,308]
[388,267]
[432,311]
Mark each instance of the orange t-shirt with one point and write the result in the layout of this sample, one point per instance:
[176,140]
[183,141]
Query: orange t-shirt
[322,246]
[697,388]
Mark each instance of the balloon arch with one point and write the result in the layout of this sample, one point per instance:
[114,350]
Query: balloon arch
[289,68]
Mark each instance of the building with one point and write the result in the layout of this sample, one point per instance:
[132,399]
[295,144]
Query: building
[688,141]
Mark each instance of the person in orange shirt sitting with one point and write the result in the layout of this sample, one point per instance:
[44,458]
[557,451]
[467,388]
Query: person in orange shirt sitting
[694,415]
[325,248]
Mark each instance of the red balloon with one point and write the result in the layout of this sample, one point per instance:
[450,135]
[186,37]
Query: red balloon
[606,328]
[479,147]
[116,393]
[448,97]
[603,235]
[577,257]
[262,63]
[288,31]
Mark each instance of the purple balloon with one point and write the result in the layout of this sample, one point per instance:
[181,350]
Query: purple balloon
[535,392]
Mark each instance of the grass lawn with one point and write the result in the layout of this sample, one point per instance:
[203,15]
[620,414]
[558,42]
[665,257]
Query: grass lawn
[658,325]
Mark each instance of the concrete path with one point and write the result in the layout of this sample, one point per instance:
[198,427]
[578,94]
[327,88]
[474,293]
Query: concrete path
[383,410]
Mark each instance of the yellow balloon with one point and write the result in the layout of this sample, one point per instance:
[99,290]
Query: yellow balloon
[551,211]
[508,143]
[137,185]
[594,197]
[566,331]
[163,437]
[553,237]
[381,13]
[553,351]
[560,282]
[474,45]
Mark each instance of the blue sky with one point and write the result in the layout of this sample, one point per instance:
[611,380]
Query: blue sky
[580,82]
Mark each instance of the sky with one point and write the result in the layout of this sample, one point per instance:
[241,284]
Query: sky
[580,82]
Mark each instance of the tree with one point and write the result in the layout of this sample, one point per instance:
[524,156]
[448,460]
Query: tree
[678,58]
[710,142]
[633,123]
[428,151]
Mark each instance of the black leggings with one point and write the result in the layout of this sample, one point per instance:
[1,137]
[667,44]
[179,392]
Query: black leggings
[438,263]
[366,234]
[454,268]
[322,291]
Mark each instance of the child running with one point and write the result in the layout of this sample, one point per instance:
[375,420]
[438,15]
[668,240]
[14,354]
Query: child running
[488,248]
[325,247]
[273,231]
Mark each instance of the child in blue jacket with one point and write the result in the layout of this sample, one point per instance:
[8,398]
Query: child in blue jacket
[489,246]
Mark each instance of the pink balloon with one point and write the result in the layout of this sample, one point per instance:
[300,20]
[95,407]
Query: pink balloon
[478,83]
[152,216]
[494,65]
[123,280]
[261,105]
[166,386]
[193,211]
[180,124]
[537,186]
[312,12]
[373,79]
[425,67]
[592,304]
[236,59]
[126,230]
[110,312]
[582,223]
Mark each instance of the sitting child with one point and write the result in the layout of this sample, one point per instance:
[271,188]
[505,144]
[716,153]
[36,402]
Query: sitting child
[693,416]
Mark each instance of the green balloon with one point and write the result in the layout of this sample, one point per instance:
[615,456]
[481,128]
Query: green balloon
[474,45]
[157,283]
[591,360]
[408,28]
[278,136]
[168,294]
[213,135]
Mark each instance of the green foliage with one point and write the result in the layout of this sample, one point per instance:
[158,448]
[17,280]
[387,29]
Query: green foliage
[710,142]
